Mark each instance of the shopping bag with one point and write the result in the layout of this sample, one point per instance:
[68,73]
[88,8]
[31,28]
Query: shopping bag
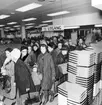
[36,78]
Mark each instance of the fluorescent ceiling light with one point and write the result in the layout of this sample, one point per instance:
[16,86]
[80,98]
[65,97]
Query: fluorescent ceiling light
[7,27]
[11,23]
[29,19]
[29,27]
[2,25]
[30,24]
[4,16]
[17,26]
[71,27]
[98,25]
[12,29]
[48,21]
[58,13]
[28,7]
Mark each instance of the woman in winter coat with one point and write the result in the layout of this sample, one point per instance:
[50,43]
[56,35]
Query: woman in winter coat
[47,69]
[28,58]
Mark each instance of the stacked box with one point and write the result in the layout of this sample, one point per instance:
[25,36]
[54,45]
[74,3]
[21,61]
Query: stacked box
[81,70]
[71,94]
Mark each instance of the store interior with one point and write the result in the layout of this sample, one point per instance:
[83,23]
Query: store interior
[72,19]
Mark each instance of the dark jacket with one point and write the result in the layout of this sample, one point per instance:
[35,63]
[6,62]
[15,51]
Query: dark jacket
[23,77]
[46,68]
[2,59]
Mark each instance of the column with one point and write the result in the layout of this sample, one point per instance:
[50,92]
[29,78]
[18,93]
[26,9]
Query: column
[2,33]
[23,31]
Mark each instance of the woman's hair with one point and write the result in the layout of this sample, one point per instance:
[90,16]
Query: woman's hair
[8,49]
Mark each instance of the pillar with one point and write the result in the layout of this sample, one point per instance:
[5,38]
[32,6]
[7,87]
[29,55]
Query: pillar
[23,31]
[2,33]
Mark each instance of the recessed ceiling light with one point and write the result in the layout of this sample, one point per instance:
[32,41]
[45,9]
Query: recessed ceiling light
[98,25]
[7,27]
[12,29]
[12,13]
[4,16]
[58,13]
[30,24]
[11,23]
[17,26]
[2,25]
[28,7]
[29,19]
[71,27]
[29,27]
[48,21]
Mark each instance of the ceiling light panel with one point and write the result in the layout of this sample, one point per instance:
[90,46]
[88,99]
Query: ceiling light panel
[29,19]
[98,25]
[17,26]
[4,16]
[28,7]
[48,21]
[30,24]
[12,23]
[58,13]
[2,25]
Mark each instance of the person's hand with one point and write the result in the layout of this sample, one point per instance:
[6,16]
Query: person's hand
[3,71]
[35,69]
[27,89]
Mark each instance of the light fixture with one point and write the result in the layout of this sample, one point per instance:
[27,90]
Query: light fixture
[58,13]
[71,27]
[11,23]
[29,27]
[30,24]
[98,25]
[48,21]
[2,25]
[17,26]
[12,29]
[4,16]
[29,19]
[7,27]
[12,13]
[28,7]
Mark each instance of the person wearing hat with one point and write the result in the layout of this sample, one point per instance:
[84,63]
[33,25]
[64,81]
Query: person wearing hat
[36,50]
[24,53]
[71,45]
[47,70]
[23,80]
[61,58]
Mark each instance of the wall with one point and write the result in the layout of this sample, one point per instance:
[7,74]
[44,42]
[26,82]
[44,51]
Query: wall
[83,19]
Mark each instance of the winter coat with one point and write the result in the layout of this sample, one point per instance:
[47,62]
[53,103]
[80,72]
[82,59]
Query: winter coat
[23,77]
[30,60]
[46,68]
[2,59]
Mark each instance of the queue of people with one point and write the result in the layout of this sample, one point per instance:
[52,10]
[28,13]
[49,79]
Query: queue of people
[34,68]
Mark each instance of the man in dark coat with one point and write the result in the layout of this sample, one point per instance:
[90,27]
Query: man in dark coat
[46,68]
[23,80]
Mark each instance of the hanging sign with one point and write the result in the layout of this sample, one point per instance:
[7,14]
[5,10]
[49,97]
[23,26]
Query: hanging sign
[53,28]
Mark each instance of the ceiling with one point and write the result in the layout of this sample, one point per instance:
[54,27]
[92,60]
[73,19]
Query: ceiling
[49,6]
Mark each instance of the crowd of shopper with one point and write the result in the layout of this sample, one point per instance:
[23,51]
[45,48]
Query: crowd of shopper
[34,68]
